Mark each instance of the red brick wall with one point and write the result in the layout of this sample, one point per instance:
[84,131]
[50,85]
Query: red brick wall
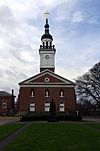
[9,104]
[24,98]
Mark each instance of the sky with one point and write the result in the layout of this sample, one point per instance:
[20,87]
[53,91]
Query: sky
[74,25]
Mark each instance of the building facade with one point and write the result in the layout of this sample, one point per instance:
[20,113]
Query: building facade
[36,93]
[6,103]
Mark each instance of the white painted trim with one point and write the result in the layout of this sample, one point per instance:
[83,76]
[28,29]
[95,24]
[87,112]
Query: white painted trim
[61,107]
[48,66]
[47,86]
[55,76]
[32,107]
[34,78]
[46,39]
[47,52]
[47,106]
[50,83]
[48,72]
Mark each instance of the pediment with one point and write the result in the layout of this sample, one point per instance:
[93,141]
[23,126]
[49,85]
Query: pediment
[46,77]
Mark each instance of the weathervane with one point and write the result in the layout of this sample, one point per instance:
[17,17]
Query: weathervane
[46,14]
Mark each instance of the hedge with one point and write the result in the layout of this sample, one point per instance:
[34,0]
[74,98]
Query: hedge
[46,117]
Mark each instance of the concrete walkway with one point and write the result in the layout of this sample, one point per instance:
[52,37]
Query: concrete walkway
[91,119]
[8,119]
[11,137]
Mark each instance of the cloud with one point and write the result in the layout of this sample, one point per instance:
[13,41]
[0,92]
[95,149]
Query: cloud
[19,42]
[80,55]
[75,30]
[64,10]
[5,14]
[77,17]
[93,19]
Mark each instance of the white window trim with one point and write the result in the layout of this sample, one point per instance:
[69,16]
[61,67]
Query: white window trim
[4,103]
[32,94]
[61,94]
[32,107]
[47,93]
[62,107]
[47,106]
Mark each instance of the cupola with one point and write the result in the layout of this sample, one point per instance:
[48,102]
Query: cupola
[47,50]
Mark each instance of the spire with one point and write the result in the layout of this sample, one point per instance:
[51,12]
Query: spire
[46,25]
[46,34]
[46,14]
[47,50]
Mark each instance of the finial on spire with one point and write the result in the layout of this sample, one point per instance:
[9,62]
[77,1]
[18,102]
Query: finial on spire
[46,14]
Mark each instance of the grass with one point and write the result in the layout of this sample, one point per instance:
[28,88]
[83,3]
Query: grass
[6,130]
[57,137]
[95,125]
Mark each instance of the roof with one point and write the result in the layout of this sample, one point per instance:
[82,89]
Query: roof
[63,80]
[46,36]
[4,93]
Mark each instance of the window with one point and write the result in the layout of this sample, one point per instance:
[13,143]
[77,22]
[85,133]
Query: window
[32,94]
[32,107]
[4,104]
[47,79]
[47,106]
[46,93]
[61,107]
[61,93]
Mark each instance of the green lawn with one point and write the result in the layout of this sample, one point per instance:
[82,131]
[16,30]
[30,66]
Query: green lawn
[6,130]
[95,125]
[57,137]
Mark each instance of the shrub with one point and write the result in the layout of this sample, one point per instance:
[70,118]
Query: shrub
[46,117]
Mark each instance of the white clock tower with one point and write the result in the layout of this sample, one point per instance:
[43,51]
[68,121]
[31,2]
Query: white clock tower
[47,50]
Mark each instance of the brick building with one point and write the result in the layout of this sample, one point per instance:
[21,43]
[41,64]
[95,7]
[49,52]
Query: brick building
[6,103]
[36,93]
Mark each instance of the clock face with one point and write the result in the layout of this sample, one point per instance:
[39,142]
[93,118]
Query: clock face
[47,56]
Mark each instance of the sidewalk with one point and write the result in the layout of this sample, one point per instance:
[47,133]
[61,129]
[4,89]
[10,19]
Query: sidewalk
[8,119]
[11,137]
[91,119]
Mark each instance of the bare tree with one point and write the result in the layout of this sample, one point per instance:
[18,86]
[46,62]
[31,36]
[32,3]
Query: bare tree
[88,85]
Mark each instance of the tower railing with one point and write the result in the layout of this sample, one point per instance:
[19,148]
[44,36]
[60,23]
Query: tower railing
[47,47]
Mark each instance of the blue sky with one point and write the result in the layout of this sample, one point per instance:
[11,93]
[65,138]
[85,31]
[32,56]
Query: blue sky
[74,25]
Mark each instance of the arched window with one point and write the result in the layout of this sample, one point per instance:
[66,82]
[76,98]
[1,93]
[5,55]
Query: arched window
[32,107]
[46,93]
[61,94]
[61,106]
[47,106]
[32,93]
